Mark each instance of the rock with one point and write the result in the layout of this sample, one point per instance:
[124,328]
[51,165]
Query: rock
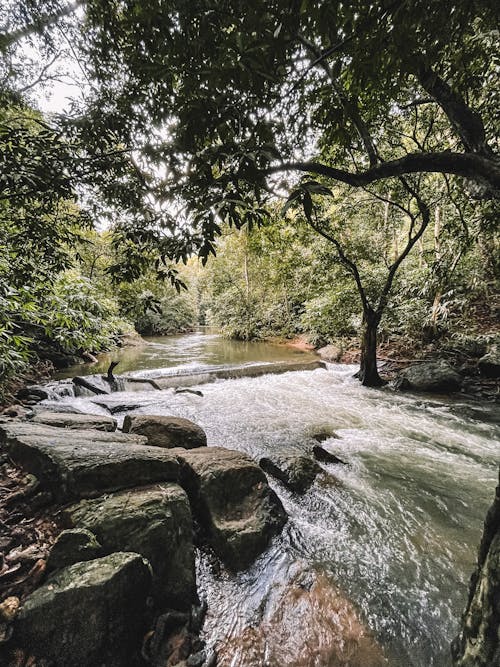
[489,365]
[16,410]
[297,472]
[310,623]
[478,644]
[233,502]
[73,546]
[82,463]
[323,455]
[58,407]
[88,614]
[330,353]
[9,609]
[90,385]
[155,522]
[432,376]
[75,421]
[166,432]
[324,434]
[254,370]
[36,391]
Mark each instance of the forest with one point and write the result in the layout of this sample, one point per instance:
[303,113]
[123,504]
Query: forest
[323,175]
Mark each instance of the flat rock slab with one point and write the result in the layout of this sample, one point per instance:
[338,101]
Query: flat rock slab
[75,464]
[88,614]
[165,431]
[77,421]
[233,501]
[297,472]
[254,370]
[155,522]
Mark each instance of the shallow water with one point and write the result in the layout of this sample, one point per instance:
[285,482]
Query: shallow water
[396,530]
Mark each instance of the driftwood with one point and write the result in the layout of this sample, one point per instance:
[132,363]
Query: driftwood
[82,382]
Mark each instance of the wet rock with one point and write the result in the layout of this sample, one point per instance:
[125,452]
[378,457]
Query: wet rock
[325,456]
[82,463]
[432,376]
[74,546]
[309,623]
[168,432]
[489,365]
[330,353]
[155,522]
[90,385]
[58,407]
[297,472]
[478,644]
[35,391]
[254,370]
[87,614]
[324,434]
[16,410]
[234,504]
[75,421]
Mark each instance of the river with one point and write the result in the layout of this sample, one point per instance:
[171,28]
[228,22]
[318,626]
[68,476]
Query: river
[396,530]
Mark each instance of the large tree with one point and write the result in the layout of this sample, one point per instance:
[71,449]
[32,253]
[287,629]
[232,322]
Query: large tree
[224,105]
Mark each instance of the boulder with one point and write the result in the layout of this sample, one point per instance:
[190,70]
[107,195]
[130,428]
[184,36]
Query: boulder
[297,472]
[76,421]
[82,463]
[166,432]
[87,614]
[35,391]
[73,546]
[489,365]
[234,504]
[155,522]
[478,644]
[432,376]
[325,456]
[330,353]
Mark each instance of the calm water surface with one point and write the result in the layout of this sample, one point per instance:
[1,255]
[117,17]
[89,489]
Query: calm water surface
[397,529]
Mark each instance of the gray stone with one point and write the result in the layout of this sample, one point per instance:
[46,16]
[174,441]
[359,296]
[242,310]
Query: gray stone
[76,421]
[325,456]
[432,376]
[254,370]
[297,472]
[80,463]
[478,644]
[330,353]
[73,546]
[88,614]
[233,501]
[155,522]
[168,432]
[489,365]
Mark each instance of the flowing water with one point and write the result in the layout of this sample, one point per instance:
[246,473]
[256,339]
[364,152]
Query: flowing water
[396,530]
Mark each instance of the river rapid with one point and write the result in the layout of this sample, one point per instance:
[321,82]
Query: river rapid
[396,530]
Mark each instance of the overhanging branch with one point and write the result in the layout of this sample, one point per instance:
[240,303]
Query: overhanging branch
[472,166]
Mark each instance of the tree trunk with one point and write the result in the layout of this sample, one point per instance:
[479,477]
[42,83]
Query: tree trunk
[368,373]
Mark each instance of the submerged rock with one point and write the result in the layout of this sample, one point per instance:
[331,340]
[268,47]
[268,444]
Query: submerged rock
[432,376]
[166,431]
[297,472]
[75,421]
[80,463]
[73,546]
[323,455]
[478,644]
[154,522]
[311,623]
[234,504]
[87,614]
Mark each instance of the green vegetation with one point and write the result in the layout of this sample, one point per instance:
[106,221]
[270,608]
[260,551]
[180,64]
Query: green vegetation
[373,127]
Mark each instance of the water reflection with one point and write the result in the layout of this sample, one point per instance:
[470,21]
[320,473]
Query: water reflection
[189,351]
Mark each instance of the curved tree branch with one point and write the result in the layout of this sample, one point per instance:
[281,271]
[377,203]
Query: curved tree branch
[472,166]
